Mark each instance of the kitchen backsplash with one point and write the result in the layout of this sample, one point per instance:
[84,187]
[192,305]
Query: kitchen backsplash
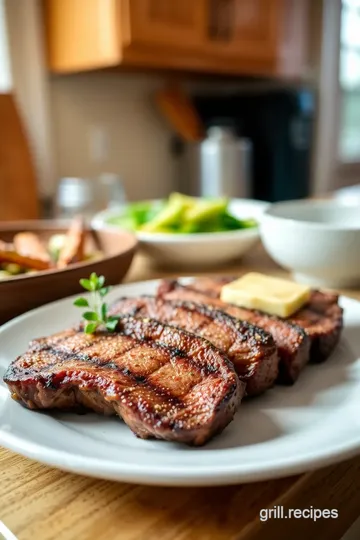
[108,123]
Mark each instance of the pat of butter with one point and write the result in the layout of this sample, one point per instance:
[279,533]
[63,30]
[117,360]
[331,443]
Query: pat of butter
[272,295]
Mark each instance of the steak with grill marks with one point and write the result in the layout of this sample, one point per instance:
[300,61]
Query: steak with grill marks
[162,381]
[291,340]
[321,318]
[252,351]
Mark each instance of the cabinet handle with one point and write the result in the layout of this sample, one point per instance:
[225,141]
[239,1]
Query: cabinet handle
[221,21]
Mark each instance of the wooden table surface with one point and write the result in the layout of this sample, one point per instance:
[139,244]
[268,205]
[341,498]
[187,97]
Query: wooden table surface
[41,503]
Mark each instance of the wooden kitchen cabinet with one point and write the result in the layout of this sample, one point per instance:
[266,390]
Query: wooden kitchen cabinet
[175,24]
[258,37]
[265,37]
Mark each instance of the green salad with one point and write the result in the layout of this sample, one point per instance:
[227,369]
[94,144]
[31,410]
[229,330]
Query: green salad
[182,215]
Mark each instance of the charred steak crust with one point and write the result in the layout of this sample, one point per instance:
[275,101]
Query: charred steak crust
[164,382]
[321,318]
[291,340]
[251,349]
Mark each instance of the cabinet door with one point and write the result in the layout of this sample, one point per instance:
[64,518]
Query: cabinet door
[245,28]
[81,34]
[178,24]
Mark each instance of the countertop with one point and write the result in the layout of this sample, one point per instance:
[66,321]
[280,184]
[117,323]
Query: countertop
[38,502]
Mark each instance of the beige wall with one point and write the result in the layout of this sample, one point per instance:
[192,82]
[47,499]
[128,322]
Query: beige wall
[121,105]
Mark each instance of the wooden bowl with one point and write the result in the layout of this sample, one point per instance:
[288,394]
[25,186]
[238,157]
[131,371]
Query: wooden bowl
[27,291]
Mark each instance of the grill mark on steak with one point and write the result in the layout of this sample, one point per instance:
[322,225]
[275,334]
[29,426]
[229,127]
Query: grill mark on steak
[321,318]
[96,361]
[168,384]
[251,349]
[292,341]
[173,352]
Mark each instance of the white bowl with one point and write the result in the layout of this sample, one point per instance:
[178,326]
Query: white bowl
[200,248]
[318,240]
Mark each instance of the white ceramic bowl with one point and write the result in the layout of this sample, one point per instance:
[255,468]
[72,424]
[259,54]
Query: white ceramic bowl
[318,240]
[201,248]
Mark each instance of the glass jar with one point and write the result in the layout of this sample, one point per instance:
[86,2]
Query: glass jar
[75,196]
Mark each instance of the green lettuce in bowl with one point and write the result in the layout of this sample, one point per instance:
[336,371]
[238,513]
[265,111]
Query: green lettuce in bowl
[180,214]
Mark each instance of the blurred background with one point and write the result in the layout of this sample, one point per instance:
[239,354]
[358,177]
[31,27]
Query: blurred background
[124,94]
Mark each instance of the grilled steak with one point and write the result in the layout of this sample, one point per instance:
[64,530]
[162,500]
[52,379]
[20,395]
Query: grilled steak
[252,351]
[321,318]
[292,342]
[164,382]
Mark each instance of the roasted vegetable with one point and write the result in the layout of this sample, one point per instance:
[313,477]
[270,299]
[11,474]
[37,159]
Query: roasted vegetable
[30,245]
[73,249]
[25,262]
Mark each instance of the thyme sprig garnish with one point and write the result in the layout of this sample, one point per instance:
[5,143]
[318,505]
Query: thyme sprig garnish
[97,315]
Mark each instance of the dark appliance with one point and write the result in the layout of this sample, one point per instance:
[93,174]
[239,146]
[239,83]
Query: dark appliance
[279,123]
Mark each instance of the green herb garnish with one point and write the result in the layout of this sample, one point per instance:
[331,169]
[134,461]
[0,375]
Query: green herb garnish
[97,315]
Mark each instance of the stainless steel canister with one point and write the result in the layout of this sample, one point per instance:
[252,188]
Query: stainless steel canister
[225,164]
